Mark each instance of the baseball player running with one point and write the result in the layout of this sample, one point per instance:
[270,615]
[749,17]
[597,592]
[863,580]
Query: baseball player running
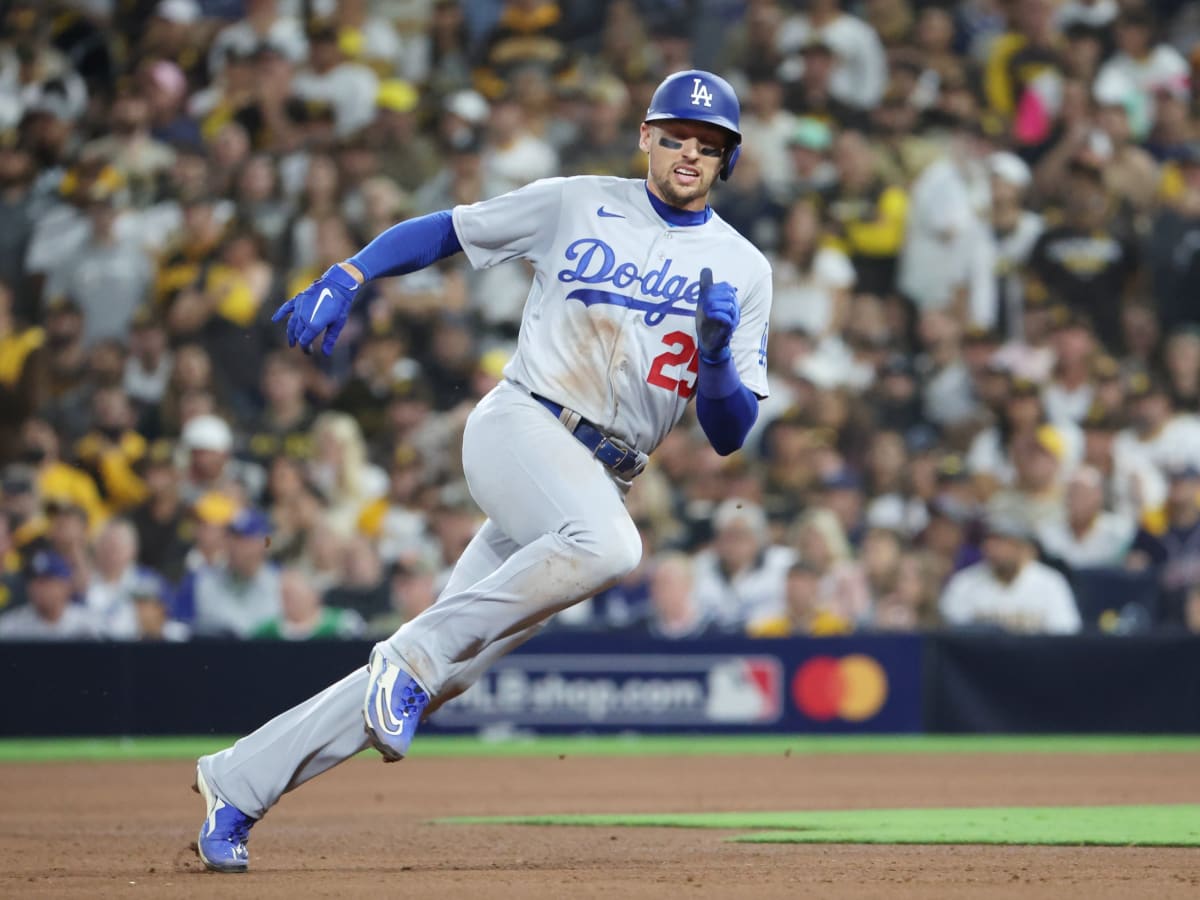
[643,297]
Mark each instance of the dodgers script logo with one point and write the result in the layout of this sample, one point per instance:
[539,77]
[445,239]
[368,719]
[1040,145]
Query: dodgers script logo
[595,263]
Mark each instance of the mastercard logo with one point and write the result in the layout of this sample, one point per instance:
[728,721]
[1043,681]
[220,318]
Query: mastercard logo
[853,688]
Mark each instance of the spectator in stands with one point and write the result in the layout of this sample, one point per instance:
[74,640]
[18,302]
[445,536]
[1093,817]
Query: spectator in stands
[23,359]
[151,599]
[148,368]
[341,471]
[1175,274]
[1156,430]
[812,283]
[1084,261]
[865,217]
[233,598]
[56,479]
[283,425]
[108,596]
[207,444]
[363,587]
[948,259]
[49,615]
[1089,536]
[161,520]
[1036,494]
[18,215]
[740,581]
[842,589]
[348,87]
[1174,550]
[12,588]
[304,617]
[413,590]
[861,69]
[911,605]
[1010,589]
[676,610]
[1015,230]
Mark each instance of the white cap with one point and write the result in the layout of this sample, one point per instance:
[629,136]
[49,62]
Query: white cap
[208,433]
[1009,168]
[181,12]
[469,105]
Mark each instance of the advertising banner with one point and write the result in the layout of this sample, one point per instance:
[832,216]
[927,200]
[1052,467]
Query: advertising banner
[605,683]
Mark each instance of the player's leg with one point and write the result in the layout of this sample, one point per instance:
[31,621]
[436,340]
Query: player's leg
[544,490]
[242,782]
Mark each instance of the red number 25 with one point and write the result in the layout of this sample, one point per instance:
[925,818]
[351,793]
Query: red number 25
[683,350]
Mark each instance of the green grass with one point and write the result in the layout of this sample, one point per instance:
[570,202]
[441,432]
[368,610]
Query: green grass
[174,748]
[1161,826]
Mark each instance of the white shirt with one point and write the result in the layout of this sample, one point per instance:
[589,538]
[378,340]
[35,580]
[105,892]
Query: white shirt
[1178,442]
[1105,543]
[861,71]
[286,35]
[1062,405]
[609,326]
[526,159]
[1099,14]
[148,385]
[1136,485]
[1038,600]
[24,624]
[988,456]
[112,606]
[1012,252]
[769,138]
[752,596]
[349,88]
[805,300]
[947,245]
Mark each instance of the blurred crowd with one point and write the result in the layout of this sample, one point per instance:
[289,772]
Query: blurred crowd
[983,218]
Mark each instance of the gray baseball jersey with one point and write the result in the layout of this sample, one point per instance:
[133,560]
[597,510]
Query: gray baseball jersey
[612,306]
[608,330]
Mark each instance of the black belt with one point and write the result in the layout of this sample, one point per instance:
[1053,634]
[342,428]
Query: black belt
[614,453]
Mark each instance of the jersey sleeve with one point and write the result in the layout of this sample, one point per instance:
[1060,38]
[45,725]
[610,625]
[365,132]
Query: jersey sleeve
[749,343]
[518,225]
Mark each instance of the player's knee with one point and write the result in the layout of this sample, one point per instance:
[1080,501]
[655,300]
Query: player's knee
[623,552]
[606,555]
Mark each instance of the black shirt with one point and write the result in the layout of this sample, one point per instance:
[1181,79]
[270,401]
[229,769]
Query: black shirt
[1090,272]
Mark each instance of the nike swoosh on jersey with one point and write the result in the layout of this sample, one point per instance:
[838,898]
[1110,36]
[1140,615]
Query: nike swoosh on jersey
[321,299]
[605,214]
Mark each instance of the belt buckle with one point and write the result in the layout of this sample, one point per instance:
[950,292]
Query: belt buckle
[627,453]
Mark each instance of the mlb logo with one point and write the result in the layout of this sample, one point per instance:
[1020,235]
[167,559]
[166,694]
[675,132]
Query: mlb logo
[745,689]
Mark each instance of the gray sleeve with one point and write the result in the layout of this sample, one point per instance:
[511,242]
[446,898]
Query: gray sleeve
[749,343]
[518,225]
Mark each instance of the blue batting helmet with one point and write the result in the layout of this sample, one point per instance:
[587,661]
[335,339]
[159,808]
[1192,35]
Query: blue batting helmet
[700,96]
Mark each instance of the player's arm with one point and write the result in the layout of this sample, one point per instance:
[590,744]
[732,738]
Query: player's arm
[725,407]
[516,225]
[405,247]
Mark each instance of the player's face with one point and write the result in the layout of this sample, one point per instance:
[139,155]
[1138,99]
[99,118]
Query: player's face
[685,159]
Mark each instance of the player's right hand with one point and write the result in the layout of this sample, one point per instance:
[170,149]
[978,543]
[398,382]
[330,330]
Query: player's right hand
[323,306]
[717,316]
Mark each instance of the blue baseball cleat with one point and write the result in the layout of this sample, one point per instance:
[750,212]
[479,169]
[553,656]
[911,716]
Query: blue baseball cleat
[223,836]
[392,708]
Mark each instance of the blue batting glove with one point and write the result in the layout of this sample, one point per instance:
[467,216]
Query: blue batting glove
[717,315]
[322,306]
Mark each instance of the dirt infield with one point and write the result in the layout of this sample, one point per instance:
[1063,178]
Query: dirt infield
[124,829]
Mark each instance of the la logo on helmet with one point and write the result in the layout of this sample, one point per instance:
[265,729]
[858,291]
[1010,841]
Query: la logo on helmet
[700,93]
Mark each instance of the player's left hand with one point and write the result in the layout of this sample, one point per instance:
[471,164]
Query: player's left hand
[717,316]
[322,306]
